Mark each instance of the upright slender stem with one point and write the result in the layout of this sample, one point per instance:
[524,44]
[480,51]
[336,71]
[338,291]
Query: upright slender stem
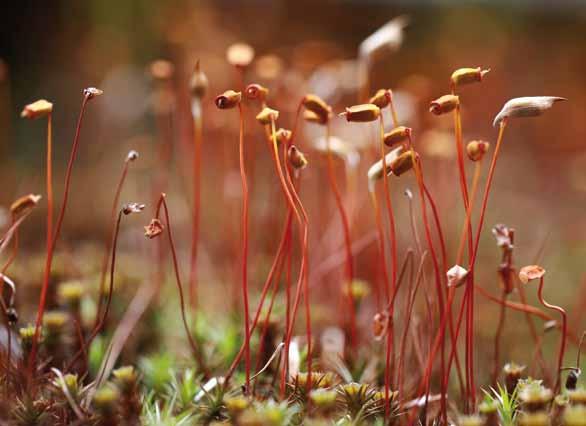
[381,243]
[244,250]
[197,144]
[497,338]
[389,208]
[51,247]
[273,274]
[410,304]
[347,237]
[444,309]
[477,239]
[489,178]
[464,233]
[469,294]
[49,179]
[391,217]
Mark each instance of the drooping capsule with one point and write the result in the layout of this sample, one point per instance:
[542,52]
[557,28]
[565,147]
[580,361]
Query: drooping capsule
[153,229]
[228,99]
[476,150]
[363,113]
[468,75]
[312,117]
[92,92]
[380,325]
[296,158]
[382,98]
[283,136]
[572,379]
[403,163]
[456,276]
[375,172]
[444,104]
[530,273]
[37,109]
[397,135]
[267,115]
[24,204]
[318,106]
[256,91]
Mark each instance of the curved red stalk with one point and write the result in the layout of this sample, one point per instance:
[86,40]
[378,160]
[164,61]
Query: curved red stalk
[303,275]
[267,318]
[101,318]
[109,241]
[14,253]
[453,334]
[528,309]
[534,334]
[197,354]
[303,237]
[564,332]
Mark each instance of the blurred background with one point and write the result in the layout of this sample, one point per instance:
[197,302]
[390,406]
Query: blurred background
[55,49]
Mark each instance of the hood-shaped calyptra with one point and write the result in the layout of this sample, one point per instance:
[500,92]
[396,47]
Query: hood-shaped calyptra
[528,106]
[389,37]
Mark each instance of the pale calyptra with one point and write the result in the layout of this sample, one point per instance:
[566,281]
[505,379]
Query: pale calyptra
[528,106]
